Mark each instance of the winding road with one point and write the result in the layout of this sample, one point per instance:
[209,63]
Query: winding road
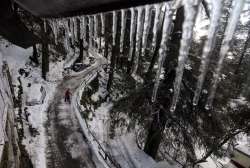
[67,146]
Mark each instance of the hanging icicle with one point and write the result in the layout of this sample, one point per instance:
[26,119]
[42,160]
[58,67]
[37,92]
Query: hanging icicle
[208,47]
[75,29]
[103,32]
[230,29]
[83,30]
[67,35]
[95,27]
[123,28]
[163,47]
[191,10]
[91,31]
[98,33]
[132,33]
[156,23]
[45,25]
[54,26]
[72,29]
[56,31]
[114,28]
[146,28]
[138,39]
[103,23]
[81,27]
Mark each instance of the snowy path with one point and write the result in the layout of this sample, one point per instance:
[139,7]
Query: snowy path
[66,145]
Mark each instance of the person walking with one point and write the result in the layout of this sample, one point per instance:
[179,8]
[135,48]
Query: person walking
[67,96]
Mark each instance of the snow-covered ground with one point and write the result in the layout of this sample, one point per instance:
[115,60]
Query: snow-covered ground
[123,150]
[17,58]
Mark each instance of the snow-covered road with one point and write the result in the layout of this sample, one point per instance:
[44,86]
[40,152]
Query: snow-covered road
[66,145]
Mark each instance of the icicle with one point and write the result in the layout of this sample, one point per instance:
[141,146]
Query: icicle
[67,35]
[163,47]
[95,27]
[229,32]
[208,47]
[191,10]
[156,23]
[146,28]
[138,39]
[114,27]
[71,29]
[103,32]
[103,23]
[91,31]
[123,28]
[53,24]
[56,31]
[44,25]
[83,30]
[97,33]
[75,28]
[132,33]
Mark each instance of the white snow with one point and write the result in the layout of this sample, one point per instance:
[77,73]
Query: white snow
[18,58]
[37,95]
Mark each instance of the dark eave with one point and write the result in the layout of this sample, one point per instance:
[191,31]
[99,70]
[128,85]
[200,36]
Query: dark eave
[65,8]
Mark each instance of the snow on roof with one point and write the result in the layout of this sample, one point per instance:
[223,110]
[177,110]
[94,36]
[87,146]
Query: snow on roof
[36,95]
[245,149]
[126,152]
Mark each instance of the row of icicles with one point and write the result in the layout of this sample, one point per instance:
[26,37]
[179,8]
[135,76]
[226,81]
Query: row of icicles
[139,29]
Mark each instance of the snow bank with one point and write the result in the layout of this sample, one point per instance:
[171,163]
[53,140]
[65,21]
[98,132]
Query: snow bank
[37,96]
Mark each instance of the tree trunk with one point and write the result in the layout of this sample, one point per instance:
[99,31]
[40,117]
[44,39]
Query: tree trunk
[45,52]
[173,53]
[80,58]
[155,134]
[158,124]
[34,57]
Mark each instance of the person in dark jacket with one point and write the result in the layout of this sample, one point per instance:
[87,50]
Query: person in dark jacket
[67,96]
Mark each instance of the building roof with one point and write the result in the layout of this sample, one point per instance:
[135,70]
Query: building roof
[62,8]
[244,149]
